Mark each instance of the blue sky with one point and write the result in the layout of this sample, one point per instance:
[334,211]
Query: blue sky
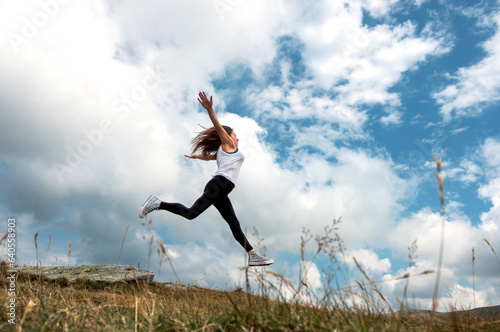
[339,107]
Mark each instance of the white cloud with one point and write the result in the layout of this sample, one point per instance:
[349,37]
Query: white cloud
[482,163]
[491,191]
[394,118]
[418,3]
[311,275]
[491,219]
[463,298]
[193,42]
[355,63]
[491,152]
[471,170]
[190,264]
[370,261]
[378,7]
[370,60]
[304,283]
[418,285]
[460,237]
[295,103]
[477,86]
[425,227]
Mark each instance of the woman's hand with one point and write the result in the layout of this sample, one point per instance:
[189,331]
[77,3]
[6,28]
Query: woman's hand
[205,102]
[226,140]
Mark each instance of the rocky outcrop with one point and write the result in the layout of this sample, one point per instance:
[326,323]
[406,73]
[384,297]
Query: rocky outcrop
[101,273]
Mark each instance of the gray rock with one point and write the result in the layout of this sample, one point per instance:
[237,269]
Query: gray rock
[102,273]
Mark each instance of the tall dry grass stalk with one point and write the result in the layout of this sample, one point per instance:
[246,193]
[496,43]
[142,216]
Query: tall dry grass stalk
[27,310]
[390,280]
[4,237]
[412,256]
[435,297]
[473,277]
[69,254]
[491,247]
[121,248]
[375,289]
[36,249]
[165,254]
[136,313]
[151,240]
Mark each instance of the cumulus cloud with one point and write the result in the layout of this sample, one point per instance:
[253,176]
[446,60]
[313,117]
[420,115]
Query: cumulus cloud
[350,67]
[477,86]
[418,287]
[491,190]
[425,228]
[304,284]
[370,261]
[369,60]
[471,171]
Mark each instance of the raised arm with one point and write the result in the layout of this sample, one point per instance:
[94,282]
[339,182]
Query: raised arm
[227,143]
[206,157]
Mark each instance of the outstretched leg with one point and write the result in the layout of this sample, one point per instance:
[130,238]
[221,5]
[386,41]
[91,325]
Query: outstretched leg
[194,211]
[226,210]
[216,189]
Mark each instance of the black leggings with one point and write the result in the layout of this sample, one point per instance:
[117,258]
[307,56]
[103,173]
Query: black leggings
[215,194]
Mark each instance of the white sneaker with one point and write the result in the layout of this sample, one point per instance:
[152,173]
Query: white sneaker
[256,259]
[150,205]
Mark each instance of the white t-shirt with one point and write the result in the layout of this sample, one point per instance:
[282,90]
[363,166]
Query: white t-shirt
[229,164]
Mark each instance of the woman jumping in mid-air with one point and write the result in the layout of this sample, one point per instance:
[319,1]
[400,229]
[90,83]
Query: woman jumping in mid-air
[216,143]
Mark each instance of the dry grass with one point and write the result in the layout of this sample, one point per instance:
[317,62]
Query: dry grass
[88,306]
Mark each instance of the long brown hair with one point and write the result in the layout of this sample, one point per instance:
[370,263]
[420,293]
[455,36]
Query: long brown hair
[208,141]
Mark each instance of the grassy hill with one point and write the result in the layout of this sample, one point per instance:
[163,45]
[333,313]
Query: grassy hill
[58,305]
